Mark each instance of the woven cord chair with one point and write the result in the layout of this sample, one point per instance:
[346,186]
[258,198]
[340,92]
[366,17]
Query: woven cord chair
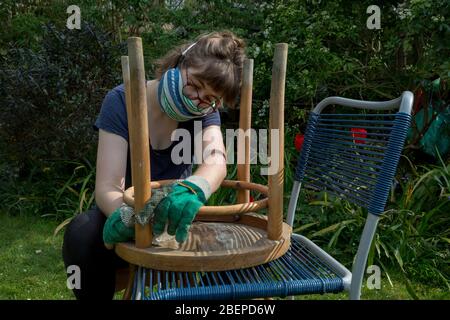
[221,238]
[354,156]
[356,165]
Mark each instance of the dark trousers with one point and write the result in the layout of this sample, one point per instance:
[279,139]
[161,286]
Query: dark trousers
[83,246]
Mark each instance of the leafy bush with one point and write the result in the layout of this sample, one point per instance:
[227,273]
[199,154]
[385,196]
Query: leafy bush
[46,192]
[331,51]
[50,98]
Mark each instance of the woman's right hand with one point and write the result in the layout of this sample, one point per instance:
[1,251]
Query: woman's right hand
[119,226]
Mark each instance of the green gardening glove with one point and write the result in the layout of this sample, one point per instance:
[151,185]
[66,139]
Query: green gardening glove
[119,227]
[180,207]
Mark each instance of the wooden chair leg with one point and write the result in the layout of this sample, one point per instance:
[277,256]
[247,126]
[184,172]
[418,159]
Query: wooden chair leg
[124,280]
[129,288]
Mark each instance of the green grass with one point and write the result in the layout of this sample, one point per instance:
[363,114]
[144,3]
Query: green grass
[31,266]
[397,291]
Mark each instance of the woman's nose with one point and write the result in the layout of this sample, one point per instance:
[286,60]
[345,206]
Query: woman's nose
[202,97]
[201,94]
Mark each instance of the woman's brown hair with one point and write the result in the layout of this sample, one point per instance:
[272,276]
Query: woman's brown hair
[217,58]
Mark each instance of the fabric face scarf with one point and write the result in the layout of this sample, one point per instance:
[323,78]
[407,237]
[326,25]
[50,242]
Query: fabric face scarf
[172,100]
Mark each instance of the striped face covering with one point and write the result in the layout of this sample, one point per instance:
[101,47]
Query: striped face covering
[171,99]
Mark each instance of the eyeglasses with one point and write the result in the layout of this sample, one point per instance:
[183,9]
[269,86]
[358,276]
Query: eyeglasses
[191,91]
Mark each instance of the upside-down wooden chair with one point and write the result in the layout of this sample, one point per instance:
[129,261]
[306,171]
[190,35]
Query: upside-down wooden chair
[253,255]
[222,238]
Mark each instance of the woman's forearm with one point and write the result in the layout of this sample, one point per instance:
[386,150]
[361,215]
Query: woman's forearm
[214,165]
[214,170]
[108,200]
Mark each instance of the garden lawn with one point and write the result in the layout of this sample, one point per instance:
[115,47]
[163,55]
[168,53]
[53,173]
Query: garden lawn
[31,266]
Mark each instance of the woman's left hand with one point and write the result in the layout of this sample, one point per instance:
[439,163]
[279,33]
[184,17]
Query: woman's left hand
[180,207]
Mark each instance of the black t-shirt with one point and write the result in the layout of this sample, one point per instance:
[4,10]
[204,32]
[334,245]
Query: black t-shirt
[113,119]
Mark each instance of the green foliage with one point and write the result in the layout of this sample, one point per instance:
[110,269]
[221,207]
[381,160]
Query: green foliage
[331,51]
[51,98]
[22,21]
[31,266]
[57,189]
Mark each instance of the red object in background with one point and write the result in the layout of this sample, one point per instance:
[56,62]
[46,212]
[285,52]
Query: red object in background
[418,100]
[251,199]
[359,133]
[298,141]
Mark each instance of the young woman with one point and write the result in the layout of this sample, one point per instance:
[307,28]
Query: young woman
[192,83]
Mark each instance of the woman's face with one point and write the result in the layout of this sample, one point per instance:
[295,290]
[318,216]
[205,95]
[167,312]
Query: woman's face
[198,91]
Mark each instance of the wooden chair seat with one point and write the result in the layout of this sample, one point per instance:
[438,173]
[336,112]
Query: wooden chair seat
[212,246]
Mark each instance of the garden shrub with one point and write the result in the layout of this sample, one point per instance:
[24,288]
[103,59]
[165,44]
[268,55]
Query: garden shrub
[51,97]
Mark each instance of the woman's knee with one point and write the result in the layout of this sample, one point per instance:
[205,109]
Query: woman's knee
[83,235]
[83,246]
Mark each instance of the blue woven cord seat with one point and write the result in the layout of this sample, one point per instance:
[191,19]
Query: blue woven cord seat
[299,271]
